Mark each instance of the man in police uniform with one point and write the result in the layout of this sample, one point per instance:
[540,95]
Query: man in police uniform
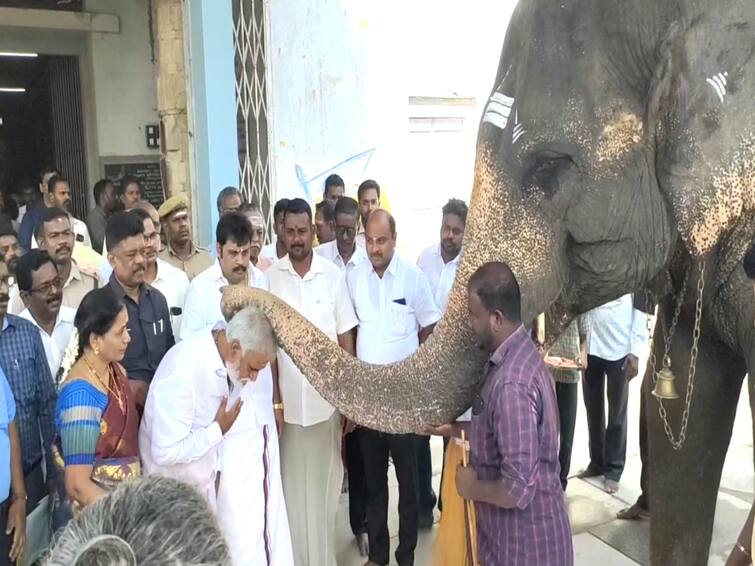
[180,251]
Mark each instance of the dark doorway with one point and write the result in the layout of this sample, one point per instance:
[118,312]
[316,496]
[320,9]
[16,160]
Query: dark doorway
[42,123]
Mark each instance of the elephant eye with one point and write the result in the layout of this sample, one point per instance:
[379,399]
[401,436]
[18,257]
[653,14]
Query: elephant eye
[544,169]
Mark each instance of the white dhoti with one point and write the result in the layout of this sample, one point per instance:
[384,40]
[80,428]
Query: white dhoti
[312,475]
[250,506]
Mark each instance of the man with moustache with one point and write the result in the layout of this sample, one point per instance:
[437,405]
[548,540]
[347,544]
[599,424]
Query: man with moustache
[180,251]
[31,218]
[22,359]
[257,221]
[513,477]
[148,315]
[55,236]
[59,195]
[396,312]
[311,438]
[325,222]
[170,281]
[233,267]
[439,263]
[343,251]
[41,290]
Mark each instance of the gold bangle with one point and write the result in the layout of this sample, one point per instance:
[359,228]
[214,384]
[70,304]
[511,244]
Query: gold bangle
[742,549]
[277,406]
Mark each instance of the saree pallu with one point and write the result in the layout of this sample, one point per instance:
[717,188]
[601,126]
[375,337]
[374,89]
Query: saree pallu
[116,457]
[451,548]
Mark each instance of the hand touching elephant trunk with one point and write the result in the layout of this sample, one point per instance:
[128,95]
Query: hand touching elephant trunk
[438,382]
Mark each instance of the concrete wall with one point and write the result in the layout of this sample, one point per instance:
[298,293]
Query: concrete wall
[125,94]
[342,72]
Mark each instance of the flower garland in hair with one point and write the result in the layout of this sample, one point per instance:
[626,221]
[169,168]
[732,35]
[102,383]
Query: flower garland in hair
[70,355]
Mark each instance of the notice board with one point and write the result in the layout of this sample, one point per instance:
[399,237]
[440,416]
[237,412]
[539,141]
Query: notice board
[148,170]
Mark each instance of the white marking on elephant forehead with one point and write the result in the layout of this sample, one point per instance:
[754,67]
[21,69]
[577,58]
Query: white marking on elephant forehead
[718,82]
[498,109]
[518,130]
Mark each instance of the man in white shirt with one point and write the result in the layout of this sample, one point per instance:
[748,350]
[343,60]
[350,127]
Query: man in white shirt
[257,221]
[188,419]
[396,312]
[10,252]
[311,438]
[346,255]
[233,267]
[55,236]
[343,251]
[41,290]
[276,250]
[169,280]
[439,263]
[617,334]
[368,195]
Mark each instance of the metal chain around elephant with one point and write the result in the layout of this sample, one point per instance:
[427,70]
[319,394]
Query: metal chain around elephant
[677,444]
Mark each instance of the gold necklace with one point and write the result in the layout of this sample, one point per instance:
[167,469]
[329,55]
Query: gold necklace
[115,393]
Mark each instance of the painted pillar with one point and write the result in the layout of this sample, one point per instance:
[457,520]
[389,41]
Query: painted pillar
[213,98]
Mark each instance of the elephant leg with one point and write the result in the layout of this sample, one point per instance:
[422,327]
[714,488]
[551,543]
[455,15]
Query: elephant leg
[684,483]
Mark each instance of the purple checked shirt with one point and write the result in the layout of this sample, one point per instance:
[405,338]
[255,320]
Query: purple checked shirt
[514,438]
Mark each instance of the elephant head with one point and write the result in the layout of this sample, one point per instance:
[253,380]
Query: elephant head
[614,129]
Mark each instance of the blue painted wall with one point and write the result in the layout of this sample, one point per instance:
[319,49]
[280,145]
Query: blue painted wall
[212,77]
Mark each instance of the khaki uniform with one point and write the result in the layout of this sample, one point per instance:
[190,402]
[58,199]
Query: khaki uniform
[199,260]
[79,283]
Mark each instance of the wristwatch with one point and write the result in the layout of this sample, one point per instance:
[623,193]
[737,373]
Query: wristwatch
[277,406]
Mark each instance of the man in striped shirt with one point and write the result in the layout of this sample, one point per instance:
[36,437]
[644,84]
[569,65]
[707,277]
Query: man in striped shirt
[514,474]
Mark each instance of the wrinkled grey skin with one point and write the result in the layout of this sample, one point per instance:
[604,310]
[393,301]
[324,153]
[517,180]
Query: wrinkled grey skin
[631,169]
[624,161]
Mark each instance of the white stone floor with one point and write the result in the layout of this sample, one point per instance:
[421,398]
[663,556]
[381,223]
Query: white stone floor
[599,538]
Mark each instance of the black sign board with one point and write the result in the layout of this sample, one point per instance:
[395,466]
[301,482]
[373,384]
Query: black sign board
[149,174]
[68,5]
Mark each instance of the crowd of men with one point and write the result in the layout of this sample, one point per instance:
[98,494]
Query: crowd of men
[353,286]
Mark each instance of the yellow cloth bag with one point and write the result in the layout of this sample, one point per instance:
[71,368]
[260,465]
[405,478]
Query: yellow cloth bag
[451,549]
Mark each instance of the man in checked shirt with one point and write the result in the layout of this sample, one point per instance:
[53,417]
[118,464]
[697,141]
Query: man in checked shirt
[514,474]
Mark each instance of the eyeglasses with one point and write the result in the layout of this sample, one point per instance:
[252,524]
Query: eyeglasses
[345,231]
[46,288]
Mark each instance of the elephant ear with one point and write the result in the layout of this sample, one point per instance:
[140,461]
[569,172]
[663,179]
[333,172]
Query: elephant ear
[702,114]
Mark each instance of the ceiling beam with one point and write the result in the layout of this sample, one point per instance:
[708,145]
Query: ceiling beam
[59,20]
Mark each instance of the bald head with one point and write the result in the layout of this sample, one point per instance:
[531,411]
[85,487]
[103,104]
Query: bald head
[497,288]
[383,218]
[380,239]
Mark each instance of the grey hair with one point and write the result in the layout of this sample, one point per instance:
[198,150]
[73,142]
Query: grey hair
[152,520]
[251,329]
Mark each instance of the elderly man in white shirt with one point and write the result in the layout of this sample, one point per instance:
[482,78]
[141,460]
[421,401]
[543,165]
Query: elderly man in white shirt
[396,312]
[311,438]
[41,290]
[169,280]
[617,334]
[439,263]
[191,430]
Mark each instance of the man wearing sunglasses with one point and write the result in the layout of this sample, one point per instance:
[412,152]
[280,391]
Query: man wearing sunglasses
[41,290]
[343,251]
[514,474]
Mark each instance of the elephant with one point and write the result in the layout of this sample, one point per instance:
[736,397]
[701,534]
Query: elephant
[616,154]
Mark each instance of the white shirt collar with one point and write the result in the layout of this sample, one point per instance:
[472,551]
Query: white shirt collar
[284,264]
[66,315]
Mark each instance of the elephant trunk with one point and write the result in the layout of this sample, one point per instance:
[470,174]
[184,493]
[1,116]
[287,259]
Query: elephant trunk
[437,383]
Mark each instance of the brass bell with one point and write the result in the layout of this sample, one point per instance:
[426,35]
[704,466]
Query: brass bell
[664,386]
